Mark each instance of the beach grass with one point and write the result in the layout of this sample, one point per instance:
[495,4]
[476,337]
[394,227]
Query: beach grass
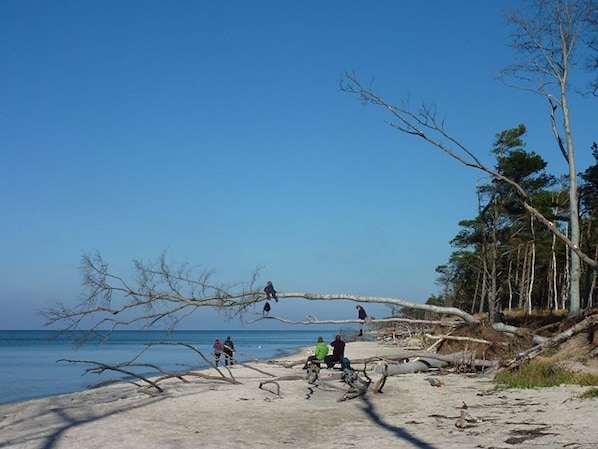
[538,374]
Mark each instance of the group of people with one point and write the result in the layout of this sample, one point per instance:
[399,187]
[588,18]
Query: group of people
[227,348]
[271,294]
[321,353]
[338,345]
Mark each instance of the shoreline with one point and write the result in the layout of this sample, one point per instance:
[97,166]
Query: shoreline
[35,373]
[291,353]
[410,413]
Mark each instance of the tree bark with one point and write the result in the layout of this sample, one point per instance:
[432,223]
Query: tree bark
[382,300]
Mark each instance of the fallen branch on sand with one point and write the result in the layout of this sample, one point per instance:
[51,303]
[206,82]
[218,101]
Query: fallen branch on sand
[456,338]
[413,362]
[357,386]
[382,381]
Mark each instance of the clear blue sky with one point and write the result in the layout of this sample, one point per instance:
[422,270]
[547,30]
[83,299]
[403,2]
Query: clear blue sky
[217,131]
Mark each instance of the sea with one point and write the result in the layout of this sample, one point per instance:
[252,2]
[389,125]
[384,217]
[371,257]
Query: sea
[42,363]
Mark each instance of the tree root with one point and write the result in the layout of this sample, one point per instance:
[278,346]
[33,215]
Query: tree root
[357,386]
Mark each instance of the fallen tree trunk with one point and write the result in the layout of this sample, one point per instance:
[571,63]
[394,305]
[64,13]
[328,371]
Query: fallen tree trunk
[507,329]
[310,319]
[415,366]
[381,300]
[421,362]
[525,356]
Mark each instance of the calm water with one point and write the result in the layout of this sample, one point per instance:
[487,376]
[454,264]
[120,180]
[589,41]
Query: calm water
[29,366]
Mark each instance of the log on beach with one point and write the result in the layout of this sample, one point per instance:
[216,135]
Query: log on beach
[419,362]
[416,366]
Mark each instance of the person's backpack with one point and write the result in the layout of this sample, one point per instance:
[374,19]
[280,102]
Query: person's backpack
[346,364]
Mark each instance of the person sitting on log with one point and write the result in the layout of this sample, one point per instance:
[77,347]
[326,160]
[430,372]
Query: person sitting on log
[270,292]
[320,354]
[363,316]
[338,352]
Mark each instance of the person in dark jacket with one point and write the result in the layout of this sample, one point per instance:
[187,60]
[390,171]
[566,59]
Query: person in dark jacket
[270,292]
[267,308]
[363,316]
[338,352]
[229,348]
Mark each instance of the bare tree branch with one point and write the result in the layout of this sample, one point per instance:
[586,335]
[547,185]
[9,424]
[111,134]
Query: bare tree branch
[164,293]
[380,300]
[159,293]
[310,319]
[425,126]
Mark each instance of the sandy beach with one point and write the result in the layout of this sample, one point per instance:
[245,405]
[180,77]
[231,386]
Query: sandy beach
[410,413]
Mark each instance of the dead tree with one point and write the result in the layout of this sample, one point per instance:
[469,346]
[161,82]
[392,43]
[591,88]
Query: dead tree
[160,294]
[425,124]
[546,37]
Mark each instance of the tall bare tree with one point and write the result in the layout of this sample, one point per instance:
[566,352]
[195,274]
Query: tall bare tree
[548,37]
[591,40]
[425,124]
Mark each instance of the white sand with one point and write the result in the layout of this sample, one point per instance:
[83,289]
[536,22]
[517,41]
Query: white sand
[206,414]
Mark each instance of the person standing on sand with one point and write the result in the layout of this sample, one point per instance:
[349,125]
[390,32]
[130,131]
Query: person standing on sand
[218,350]
[363,316]
[229,348]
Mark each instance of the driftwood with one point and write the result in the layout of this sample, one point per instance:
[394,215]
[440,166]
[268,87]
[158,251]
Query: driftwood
[313,373]
[437,343]
[507,329]
[266,382]
[457,338]
[382,381]
[522,357]
[463,357]
[358,386]
[415,362]
[415,366]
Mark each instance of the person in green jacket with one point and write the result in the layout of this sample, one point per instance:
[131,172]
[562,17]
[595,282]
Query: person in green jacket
[320,354]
